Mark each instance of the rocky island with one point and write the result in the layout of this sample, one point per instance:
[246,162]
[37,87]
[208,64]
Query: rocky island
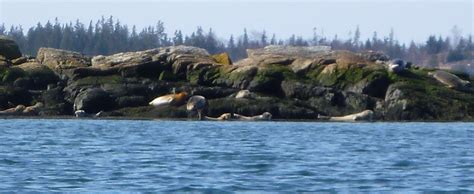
[288,82]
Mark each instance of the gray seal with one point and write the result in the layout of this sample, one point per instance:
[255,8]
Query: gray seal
[365,115]
[450,80]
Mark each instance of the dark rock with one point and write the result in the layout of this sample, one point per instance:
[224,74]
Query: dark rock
[374,85]
[9,49]
[302,91]
[9,75]
[14,96]
[40,75]
[267,80]
[54,103]
[24,82]
[150,112]
[82,72]
[131,101]
[277,107]
[213,92]
[94,100]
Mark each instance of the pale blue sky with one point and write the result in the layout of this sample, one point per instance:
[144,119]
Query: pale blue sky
[410,19]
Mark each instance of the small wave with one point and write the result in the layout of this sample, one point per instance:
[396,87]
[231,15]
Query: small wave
[8,161]
[199,190]
[403,163]
[305,173]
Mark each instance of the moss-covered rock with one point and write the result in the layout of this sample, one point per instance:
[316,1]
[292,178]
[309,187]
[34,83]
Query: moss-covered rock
[167,76]
[222,58]
[9,75]
[269,77]
[9,49]
[416,96]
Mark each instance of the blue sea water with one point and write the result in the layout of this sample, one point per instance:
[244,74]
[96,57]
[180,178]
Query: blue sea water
[190,156]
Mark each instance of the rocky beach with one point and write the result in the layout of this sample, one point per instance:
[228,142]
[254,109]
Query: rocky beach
[288,82]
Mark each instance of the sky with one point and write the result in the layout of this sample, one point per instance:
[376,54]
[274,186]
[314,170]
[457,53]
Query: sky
[409,19]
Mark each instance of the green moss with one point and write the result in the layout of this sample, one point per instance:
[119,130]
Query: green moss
[203,76]
[341,78]
[431,101]
[9,75]
[167,76]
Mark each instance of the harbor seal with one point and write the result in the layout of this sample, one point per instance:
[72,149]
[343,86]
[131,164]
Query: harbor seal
[82,114]
[450,80]
[223,117]
[244,94]
[197,103]
[266,116]
[33,110]
[365,115]
[13,111]
[396,65]
[169,99]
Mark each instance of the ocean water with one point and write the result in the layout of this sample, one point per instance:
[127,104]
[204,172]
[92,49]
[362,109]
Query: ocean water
[217,157]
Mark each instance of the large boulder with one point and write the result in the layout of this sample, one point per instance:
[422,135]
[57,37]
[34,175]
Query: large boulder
[54,103]
[40,75]
[375,84]
[12,96]
[151,63]
[288,50]
[94,100]
[9,49]
[62,61]
[236,76]
[222,58]
[126,59]
[396,102]
[422,101]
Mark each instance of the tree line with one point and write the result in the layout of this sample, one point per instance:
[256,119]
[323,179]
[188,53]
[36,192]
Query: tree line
[109,36]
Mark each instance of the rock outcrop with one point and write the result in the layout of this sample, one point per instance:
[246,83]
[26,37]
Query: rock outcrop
[288,82]
[9,49]
[61,61]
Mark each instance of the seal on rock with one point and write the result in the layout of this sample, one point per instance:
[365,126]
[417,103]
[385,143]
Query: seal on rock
[13,111]
[33,110]
[170,99]
[266,116]
[223,117]
[365,115]
[244,94]
[450,80]
[396,65]
[197,103]
[82,113]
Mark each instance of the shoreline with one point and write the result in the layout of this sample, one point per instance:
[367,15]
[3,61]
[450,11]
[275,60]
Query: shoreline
[193,120]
